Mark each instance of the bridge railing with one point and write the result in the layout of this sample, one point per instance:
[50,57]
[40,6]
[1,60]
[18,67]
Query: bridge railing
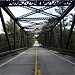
[12,52]
[64,51]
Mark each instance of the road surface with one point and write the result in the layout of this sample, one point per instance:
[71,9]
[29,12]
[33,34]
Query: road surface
[38,60]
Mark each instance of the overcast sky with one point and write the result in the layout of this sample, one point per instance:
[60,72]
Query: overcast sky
[18,11]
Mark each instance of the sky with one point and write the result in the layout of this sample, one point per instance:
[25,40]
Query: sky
[18,11]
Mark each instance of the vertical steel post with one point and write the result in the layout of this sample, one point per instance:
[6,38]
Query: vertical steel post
[14,34]
[45,40]
[60,34]
[3,24]
[53,37]
[70,33]
[27,40]
[48,39]
[21,38]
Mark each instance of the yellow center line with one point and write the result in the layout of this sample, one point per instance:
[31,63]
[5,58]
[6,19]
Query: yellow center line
[36,63]
[37,71]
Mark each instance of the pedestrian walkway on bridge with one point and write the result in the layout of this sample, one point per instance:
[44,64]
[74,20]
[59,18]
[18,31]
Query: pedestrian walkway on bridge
[38,61]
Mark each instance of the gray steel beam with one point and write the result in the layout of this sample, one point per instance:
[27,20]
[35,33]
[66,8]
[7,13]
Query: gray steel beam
[64,14]
[70,33]
[7,10]
[14,35]
[3,24]
[34,11]
[60,34]
[32,19]
[28,14]
[21,38]
[45,35]
[36,3]
[27,40]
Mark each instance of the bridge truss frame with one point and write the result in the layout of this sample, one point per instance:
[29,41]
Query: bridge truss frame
[27,4]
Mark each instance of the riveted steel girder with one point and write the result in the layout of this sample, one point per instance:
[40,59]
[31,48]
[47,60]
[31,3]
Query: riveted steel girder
[7,10]
[33,19]
[36,3]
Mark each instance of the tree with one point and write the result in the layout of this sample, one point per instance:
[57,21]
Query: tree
[10,31]
[10,27]
[60,11]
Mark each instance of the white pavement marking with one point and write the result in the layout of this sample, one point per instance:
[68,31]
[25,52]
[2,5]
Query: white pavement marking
[62,58]
[12,59]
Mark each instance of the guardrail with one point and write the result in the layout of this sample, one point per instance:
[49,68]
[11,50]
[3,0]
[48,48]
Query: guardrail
[12,52]
[64,51]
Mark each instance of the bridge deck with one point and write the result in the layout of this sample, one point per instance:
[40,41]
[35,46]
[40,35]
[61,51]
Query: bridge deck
[48,63]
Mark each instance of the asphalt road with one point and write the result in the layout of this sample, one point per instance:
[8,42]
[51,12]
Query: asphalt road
[22,64]
[49,63]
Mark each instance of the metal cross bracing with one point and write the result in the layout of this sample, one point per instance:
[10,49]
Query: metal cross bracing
[28,5]
[33,19]
[59,20]
[32,25]
[34,11]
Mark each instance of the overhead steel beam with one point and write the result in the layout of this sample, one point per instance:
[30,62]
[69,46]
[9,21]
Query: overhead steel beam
[64,14]
[28,14]
[45,13]
[46,7]
[33,19]
[30,8]
[40,23]
[27,21]
[7,10]
[43,8]
[34,11]
[35,3]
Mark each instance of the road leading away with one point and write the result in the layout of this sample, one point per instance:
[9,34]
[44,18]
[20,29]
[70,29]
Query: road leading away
[38,61]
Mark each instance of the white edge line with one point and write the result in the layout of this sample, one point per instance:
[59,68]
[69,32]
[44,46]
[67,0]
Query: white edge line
[12,59]
[63,58]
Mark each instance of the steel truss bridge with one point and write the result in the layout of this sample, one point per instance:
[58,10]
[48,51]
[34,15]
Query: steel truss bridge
[4,4]
[49,59]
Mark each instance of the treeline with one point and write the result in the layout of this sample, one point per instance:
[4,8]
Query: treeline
[23,39]
[53,39]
